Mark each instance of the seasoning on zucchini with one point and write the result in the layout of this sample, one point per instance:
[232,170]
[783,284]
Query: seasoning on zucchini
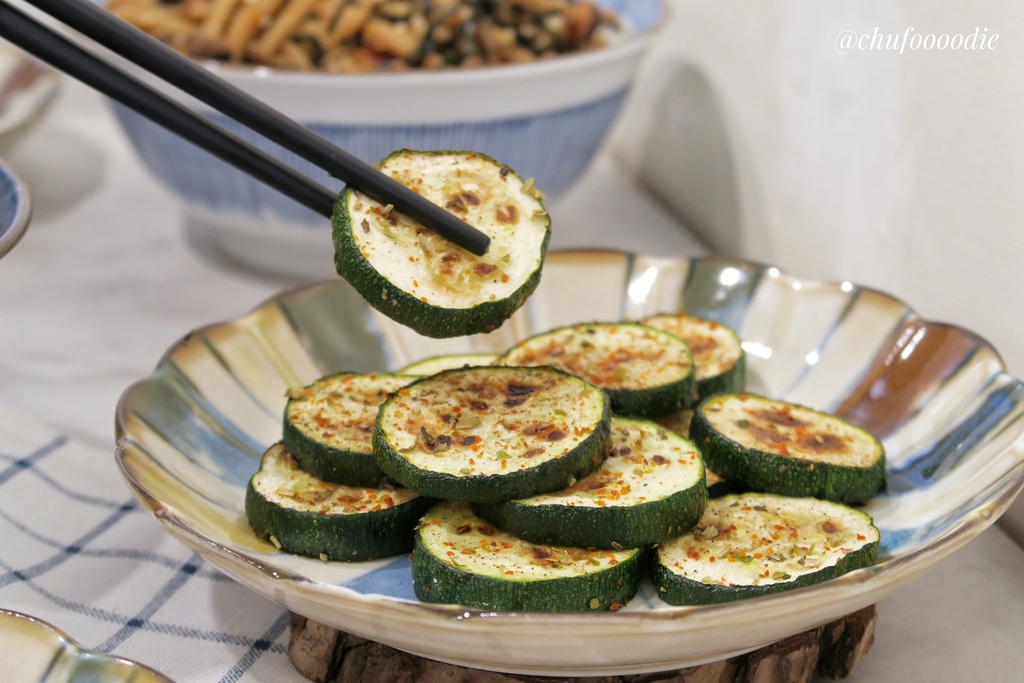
[460,559]
[720,365]
[784,448]
[649,488]
[754,544]
[435,364]
[301,514]
[492,433]
[718,486]
[328,426]
[647,372]
[422,280]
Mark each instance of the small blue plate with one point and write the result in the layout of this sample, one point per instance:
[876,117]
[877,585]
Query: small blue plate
[15,208]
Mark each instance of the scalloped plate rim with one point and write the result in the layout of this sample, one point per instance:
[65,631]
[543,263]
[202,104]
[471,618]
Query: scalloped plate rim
[898,569]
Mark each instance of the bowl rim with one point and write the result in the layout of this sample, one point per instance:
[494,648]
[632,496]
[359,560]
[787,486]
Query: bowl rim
[22,210]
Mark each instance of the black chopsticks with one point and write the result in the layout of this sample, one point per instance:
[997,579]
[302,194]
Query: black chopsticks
[150,54]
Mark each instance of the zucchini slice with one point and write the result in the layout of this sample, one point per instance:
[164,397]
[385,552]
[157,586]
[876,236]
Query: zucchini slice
[460,559]
[720,365]
[784,448]
[492,433]
[649,488]
[647,372]
[759,543]
[422,280]
[328,426]
[301,514]
[718,486]
[435,364]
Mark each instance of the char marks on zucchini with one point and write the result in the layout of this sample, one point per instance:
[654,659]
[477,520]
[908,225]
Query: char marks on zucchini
[720,364]
[650,487]
[328,426]
[301,514]
[422,280]
[759,543]
[484,434]
[780,447]
[461,559]
[647,372]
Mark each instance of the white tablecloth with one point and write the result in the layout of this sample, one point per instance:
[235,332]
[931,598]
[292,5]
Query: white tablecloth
[103,284]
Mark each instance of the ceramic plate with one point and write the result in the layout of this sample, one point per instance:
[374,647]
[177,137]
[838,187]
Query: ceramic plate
[33,651]
[191,434]
[15,208]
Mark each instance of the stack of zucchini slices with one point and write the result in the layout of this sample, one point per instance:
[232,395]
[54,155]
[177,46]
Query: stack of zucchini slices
[541,479]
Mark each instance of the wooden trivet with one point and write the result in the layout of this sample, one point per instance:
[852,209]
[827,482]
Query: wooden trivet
[832,651]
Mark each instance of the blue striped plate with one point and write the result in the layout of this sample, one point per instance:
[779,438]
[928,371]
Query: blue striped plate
[190,436]
[15,208]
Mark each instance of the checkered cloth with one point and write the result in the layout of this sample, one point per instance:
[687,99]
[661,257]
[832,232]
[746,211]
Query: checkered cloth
[78,552]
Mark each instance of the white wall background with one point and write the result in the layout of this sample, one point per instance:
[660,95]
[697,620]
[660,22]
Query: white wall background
[774,138]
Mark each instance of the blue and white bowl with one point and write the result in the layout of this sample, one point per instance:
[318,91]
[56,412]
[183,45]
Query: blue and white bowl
[15,208]
[545,119]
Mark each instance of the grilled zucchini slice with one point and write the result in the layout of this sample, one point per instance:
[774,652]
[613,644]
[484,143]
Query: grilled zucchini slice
[422,280]
[301,514]
[460,559]
[328,426]
[647,372]
[649,488]
[720,365]
[784,448]
[754,544]
[718,486]
[492,433]
[435,364]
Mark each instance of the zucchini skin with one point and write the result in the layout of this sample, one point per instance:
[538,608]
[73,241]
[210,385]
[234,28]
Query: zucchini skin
[350,468]
[611,526]
[679,423]
[548,476]
[589,527]
[648,402]
[332,462]
[653,402]
[427,319]
[551,475]
[436,581]
[347,537]
[732,381]
[785,475]
[678,590]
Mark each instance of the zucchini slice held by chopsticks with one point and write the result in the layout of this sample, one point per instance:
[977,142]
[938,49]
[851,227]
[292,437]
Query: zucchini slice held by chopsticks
[422,280]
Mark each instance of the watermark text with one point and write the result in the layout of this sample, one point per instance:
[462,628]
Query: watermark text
[911,40]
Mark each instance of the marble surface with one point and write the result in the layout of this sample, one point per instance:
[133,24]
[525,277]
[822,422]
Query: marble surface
[103,283]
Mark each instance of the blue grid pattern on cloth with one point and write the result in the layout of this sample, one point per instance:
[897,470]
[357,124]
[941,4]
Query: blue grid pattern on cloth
[78,552]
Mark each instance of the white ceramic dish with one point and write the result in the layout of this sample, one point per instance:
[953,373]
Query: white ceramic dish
[544,119]
[190,435]
[33,651]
